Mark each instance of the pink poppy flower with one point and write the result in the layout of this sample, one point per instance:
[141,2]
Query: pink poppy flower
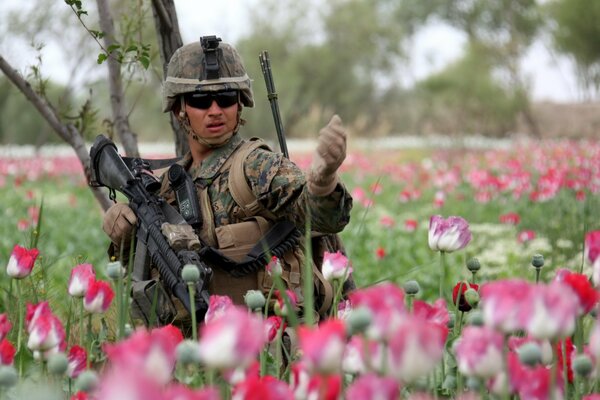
[371,386]
[232,340]
[119,383]
[323,347]
[21,262]
[23,224]
[500,302]
[449,234]
[79,396]
[532,382]
[7,352]
[416,348]
[436,313]
[80,279]
[34,311]
[274,267]
[5,325]
[46,333]
[510,218]
[549,311]
[98,298]
[217,307]
[151,354]
[77,358]
[336,266]
[592,251]
[387,222]
[272,326]
[280,306]
[525,236]
[410,225]
[324,387]
[479,352]
[385,301]
[380,253]
[266,387]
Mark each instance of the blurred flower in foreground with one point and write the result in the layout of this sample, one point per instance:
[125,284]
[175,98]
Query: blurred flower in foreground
[7,352]
[479,352]
[46,332]
[21,262]
[232,340]
[371,386]
[265,387]
[217,307]
[449,234]
[588,296]
[323,347]
[149,353]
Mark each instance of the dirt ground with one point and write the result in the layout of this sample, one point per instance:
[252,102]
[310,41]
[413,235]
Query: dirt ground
[580,120]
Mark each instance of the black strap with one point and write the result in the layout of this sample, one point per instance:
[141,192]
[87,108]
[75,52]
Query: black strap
[277,241]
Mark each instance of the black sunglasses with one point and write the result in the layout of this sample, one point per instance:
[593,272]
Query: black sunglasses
[204,100]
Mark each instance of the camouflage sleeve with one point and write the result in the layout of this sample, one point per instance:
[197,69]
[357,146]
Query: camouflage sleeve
[280,187]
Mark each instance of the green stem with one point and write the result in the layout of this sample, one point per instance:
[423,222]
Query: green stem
[192,293]
[307,284]
[120,307]
[20,332]
[81,330]
[442,273]
[89,340]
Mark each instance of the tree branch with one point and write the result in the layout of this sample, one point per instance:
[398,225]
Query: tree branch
[67,132]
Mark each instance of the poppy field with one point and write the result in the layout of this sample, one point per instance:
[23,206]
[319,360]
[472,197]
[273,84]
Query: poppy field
[477,274]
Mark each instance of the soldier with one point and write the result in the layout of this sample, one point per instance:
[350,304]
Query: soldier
[206,88]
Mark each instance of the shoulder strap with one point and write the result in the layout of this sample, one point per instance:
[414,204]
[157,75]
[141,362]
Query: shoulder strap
[238,185]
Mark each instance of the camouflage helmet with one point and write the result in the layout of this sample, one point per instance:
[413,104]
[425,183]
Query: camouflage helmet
[207,65]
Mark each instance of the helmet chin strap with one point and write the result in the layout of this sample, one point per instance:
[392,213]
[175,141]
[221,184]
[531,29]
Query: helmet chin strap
[212,143]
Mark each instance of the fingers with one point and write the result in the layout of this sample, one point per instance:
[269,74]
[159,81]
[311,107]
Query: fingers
[118,222]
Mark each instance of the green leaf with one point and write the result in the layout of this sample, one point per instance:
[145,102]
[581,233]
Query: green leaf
[145,61]
[101,58]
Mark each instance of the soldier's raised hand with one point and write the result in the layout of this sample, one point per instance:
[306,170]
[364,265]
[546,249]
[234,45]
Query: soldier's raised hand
[329,155]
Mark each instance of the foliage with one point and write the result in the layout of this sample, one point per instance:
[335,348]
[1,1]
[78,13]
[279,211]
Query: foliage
[575,22]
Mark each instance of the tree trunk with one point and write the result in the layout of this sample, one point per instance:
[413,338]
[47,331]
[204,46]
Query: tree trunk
[117,96]
[67,132]
[169,40]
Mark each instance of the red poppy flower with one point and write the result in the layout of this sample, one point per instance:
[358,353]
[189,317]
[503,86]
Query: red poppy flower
[463,304]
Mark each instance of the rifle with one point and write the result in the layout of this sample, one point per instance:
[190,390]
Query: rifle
[133,177]
[265,65]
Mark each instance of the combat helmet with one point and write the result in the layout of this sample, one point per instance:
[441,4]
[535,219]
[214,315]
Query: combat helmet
[207,65]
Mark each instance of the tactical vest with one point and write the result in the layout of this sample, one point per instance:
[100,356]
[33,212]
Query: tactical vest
[236,240]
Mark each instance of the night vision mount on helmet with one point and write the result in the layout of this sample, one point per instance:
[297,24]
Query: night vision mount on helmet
[208,65]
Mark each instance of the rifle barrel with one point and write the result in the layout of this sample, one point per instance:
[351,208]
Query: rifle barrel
[265,65]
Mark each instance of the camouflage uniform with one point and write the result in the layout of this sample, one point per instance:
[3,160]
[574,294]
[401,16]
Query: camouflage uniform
[279,186]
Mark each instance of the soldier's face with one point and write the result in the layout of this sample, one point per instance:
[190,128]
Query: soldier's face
[214,121]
